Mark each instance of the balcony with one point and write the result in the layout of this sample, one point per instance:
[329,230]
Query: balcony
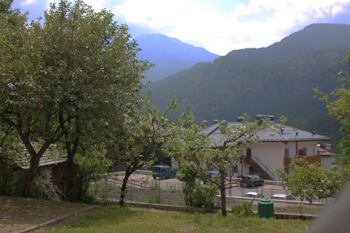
[309,159]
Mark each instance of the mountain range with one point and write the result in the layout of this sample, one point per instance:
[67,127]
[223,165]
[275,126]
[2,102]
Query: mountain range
[278,80]
[169,55]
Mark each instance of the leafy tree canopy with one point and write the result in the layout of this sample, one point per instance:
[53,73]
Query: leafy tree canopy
[310,182]
[13,16]
[69,80]
[340,108]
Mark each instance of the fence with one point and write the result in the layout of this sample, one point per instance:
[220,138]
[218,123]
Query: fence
[169,191]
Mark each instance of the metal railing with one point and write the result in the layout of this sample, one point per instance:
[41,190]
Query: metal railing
[264,166]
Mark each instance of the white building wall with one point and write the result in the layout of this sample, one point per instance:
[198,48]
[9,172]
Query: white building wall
[175,164]
[270,154]
[311,147]
[292,146]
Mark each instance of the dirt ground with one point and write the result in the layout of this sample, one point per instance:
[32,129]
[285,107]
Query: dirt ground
[20,213]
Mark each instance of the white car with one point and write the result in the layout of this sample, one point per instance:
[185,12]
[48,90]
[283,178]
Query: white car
[254,195]
[282,197]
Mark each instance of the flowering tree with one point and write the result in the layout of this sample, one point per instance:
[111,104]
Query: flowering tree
[69,80]
[312,181]
[194,148]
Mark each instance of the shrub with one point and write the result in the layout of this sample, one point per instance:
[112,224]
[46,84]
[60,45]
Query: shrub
[43,189]
[89,168]
[196,195]
[242,211]
[8,185]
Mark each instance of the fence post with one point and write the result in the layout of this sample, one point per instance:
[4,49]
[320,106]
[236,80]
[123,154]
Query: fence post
[159,191]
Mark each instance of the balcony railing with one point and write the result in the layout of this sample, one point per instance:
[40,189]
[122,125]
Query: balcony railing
[309,159]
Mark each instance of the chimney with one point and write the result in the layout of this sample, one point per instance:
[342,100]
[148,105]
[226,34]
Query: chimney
[296,134]
[282,130]
[223,122]
[239,119]
[259,118]
[271,117]
[329,147]
[313,132]
[215,121]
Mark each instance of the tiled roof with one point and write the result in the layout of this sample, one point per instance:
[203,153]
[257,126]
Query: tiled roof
[322,151]
[289,134]
[44,161]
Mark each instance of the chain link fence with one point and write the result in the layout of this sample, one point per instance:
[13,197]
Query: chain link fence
[169,191]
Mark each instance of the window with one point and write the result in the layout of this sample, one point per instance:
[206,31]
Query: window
[286,153]
[235,169]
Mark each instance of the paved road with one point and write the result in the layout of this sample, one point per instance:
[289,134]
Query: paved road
[266,190]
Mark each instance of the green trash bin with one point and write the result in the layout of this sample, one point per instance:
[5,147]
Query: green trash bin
[265,208]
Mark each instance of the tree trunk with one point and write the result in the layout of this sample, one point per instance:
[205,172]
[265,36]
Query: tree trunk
[34,163]
[122,194]
[33,169]
[71,169]
[72,179]
[223,193]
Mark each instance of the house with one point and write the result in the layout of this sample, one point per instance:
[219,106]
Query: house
[52,168]
[278,147]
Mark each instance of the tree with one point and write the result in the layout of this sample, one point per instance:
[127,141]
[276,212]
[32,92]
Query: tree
[340,108]
[13,16]
[312,181]
[194,148]
[68,81]
[139,138]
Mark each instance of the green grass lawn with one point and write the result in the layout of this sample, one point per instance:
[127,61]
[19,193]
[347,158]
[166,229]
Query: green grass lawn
[114,219]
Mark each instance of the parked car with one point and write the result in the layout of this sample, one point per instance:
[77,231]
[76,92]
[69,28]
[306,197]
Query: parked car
[251,181]
[163,171]
[335,168]
[254,195]
[212,174]
[282,197]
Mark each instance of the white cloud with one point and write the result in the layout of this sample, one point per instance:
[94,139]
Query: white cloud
[205,23]
[336,10]
[28,2]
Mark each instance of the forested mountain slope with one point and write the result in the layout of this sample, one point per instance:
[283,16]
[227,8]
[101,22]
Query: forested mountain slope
[312,38]
[169,55]
[277,81]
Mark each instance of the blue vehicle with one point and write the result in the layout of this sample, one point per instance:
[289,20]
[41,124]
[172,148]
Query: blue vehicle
[163,171]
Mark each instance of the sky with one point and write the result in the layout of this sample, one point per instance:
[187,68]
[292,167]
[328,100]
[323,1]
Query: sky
[219,26]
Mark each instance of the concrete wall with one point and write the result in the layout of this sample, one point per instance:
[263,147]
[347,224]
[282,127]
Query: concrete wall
[326,161]
[270,154]
[175,164]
